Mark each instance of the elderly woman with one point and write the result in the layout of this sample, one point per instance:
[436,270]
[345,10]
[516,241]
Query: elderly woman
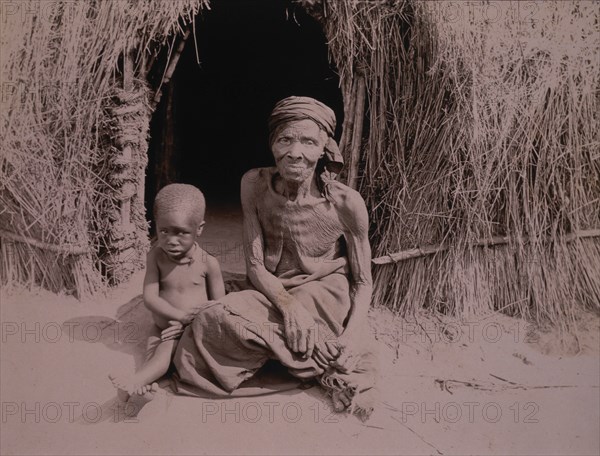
[308,265]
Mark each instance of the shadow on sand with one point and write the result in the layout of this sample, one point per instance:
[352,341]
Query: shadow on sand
[128,333]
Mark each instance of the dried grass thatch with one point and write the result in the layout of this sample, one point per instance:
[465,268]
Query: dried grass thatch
[63,182]
[477,151]
[482,152]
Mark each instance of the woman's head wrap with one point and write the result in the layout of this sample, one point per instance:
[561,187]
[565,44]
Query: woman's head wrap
[292,109]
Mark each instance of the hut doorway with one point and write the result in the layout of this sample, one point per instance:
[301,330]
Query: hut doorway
[210,125]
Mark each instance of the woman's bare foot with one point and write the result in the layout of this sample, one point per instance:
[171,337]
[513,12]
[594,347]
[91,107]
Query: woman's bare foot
[361,405]
[341,400]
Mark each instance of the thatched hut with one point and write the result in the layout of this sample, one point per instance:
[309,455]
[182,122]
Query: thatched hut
[471,129]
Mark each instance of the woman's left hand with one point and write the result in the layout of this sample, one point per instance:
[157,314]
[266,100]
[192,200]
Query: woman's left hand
[174,331]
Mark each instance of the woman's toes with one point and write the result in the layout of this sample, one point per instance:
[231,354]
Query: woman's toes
[345,399]
[338,405]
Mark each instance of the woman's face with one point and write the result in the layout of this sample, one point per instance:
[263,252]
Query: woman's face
[297,147]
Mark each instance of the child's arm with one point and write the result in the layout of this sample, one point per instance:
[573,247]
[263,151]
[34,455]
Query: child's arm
[215,288]
[152,300]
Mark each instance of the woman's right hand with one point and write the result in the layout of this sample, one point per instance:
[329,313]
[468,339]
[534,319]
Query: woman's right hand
[174,331]
[300,328]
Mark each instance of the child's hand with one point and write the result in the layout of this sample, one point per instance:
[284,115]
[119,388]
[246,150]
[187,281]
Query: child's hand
[189,317]
[172,332]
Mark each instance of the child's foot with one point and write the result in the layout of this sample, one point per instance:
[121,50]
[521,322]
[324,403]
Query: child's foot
[125,387]
[142,396]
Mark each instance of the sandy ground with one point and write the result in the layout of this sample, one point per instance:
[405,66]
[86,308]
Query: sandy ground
[489,386]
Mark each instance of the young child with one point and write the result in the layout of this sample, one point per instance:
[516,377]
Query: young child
[180,279]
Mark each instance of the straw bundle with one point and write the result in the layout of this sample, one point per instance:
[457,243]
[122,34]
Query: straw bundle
[62,66]
[477,150]
[482,152]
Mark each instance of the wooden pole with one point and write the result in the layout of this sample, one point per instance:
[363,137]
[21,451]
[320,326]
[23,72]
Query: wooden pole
[9,237]
[359,109]
[172,65]
[128,86]
[495,240]
[166,166]
[128,72]
[349,102]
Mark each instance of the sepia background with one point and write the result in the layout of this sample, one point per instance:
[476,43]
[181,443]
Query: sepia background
[470,128]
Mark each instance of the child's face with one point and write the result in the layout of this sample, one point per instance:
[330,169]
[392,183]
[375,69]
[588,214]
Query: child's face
[177,233]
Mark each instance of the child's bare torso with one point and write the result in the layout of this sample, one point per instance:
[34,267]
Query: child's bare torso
[182,285]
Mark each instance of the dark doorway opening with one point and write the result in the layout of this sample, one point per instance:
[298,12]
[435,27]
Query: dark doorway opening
[211,124]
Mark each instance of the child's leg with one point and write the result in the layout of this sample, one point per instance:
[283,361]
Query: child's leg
[155,367]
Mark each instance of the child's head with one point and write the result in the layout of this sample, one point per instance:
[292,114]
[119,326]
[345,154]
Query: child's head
[179,214]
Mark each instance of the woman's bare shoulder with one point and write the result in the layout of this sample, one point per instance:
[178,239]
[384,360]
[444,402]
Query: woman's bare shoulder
[258,176]
[344,197]
[255,183]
